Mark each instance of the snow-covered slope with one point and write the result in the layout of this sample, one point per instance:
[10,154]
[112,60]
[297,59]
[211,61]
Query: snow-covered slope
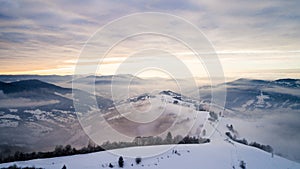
[215,155]
[220,153]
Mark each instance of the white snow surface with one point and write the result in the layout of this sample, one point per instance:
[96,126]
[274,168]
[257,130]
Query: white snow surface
[216,155]
[220,153]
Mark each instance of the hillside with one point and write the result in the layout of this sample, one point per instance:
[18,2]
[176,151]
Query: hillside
[218,154]
[37,116]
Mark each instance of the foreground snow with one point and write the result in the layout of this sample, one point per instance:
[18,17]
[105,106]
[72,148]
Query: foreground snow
[217,154]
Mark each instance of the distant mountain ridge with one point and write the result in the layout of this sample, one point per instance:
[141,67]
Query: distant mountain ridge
[293,83]
[28,85]
[252,94]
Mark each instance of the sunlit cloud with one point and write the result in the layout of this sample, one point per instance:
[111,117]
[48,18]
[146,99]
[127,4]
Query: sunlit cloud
[46,37]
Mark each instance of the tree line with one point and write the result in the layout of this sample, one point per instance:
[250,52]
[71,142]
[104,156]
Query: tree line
[16,167]
[92,147]
[266,148]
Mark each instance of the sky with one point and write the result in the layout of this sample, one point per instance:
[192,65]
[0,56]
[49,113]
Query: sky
[252,38]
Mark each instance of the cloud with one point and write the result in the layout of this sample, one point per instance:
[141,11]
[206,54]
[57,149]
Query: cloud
[42,35]
[22,102]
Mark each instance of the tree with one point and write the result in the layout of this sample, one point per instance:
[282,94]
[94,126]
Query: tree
[158,140]
[230,127]
[67,149]
[177,139]
[17,155]
[91,144]
[228,134]
[64,167]
[169,138]
[121,162]
[58,150]
[204,132]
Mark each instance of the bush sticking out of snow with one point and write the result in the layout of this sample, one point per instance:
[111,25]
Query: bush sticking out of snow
[213,116]
[243,165]
[138,160]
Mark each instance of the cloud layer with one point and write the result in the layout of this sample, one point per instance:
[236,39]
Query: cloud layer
[45,37]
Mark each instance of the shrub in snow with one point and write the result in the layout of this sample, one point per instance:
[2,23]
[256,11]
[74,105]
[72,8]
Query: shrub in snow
[243,165]
[230,127]
[110,165]
[213,116]
[64,167]
[138,160]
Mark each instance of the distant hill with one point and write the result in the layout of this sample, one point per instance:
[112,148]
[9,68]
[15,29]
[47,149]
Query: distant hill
[29,85]
[251,94]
